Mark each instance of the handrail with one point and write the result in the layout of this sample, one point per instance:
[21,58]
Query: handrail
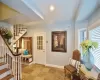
[9,46]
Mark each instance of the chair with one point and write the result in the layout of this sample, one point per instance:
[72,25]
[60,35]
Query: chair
[98,77]
[74,63]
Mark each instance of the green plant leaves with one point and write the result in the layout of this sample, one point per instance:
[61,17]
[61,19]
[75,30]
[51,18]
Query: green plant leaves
[88,44]
[95,44]
[8,35]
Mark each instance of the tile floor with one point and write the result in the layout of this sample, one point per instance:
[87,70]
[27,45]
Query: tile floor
[41,72]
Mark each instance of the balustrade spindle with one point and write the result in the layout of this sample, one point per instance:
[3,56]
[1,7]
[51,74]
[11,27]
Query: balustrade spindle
[14,31]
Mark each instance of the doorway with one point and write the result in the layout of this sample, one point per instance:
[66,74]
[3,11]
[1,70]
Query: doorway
[25,45]
[40,48]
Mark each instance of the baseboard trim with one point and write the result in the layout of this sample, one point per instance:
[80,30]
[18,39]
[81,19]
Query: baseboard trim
[31,63]
[51,65]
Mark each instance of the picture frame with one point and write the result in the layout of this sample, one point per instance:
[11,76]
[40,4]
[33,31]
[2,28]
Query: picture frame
[59,39]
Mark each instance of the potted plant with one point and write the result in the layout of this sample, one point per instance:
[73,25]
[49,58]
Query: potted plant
[87,47]
[8,36]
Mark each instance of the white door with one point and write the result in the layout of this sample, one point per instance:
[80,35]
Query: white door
[40,48]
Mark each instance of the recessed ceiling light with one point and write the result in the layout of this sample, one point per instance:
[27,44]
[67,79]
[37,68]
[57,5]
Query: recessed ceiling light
[52,8]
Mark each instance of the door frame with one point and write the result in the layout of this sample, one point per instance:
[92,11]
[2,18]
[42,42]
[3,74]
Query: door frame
[34,51]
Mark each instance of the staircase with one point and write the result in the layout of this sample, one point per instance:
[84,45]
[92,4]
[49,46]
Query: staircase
[18,31]
[5,72]
[10,62]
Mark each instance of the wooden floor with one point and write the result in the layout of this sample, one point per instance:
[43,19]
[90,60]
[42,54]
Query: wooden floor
[41,72]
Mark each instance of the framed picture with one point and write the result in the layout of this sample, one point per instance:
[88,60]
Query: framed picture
[59,41]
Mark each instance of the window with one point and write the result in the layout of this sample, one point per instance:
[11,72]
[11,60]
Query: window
[94,35]
[82,35]
[40,42]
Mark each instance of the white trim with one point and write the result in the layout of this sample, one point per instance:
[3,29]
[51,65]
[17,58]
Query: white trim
[31,63]
[28,63]
[94,25]
[79,35]
[56,66]
[50,65]
[33,9]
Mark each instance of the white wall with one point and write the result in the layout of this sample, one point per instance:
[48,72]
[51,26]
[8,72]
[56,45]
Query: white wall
[60,58]
[55,58]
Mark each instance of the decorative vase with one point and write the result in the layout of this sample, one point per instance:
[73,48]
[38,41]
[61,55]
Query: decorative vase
[88,60]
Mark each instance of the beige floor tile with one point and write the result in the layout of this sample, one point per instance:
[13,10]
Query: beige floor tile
[41,72]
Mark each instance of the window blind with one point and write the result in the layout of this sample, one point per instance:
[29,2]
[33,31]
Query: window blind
[95,36]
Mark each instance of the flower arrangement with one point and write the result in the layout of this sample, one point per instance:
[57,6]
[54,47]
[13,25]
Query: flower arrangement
[8,35]
[88,44]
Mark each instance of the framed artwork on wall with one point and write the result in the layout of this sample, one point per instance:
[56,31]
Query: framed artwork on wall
[59,39]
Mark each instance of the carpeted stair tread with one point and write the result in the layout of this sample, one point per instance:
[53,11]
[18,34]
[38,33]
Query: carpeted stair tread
[1,57]
[4,70]
[8,77]
[2,63]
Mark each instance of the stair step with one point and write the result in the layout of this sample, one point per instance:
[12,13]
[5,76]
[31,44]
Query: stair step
[4,70]
[20,33]
[4,73]
[3,65]
[1,57]
[17,34]
[8,77]
[22,30]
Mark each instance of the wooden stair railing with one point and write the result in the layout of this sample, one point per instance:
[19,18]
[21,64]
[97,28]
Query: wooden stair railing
[10,58]
[18,31]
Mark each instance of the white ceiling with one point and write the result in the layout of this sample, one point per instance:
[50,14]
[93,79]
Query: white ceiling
[65,10]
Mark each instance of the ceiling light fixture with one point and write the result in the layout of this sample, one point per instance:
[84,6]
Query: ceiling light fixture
[52,8]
